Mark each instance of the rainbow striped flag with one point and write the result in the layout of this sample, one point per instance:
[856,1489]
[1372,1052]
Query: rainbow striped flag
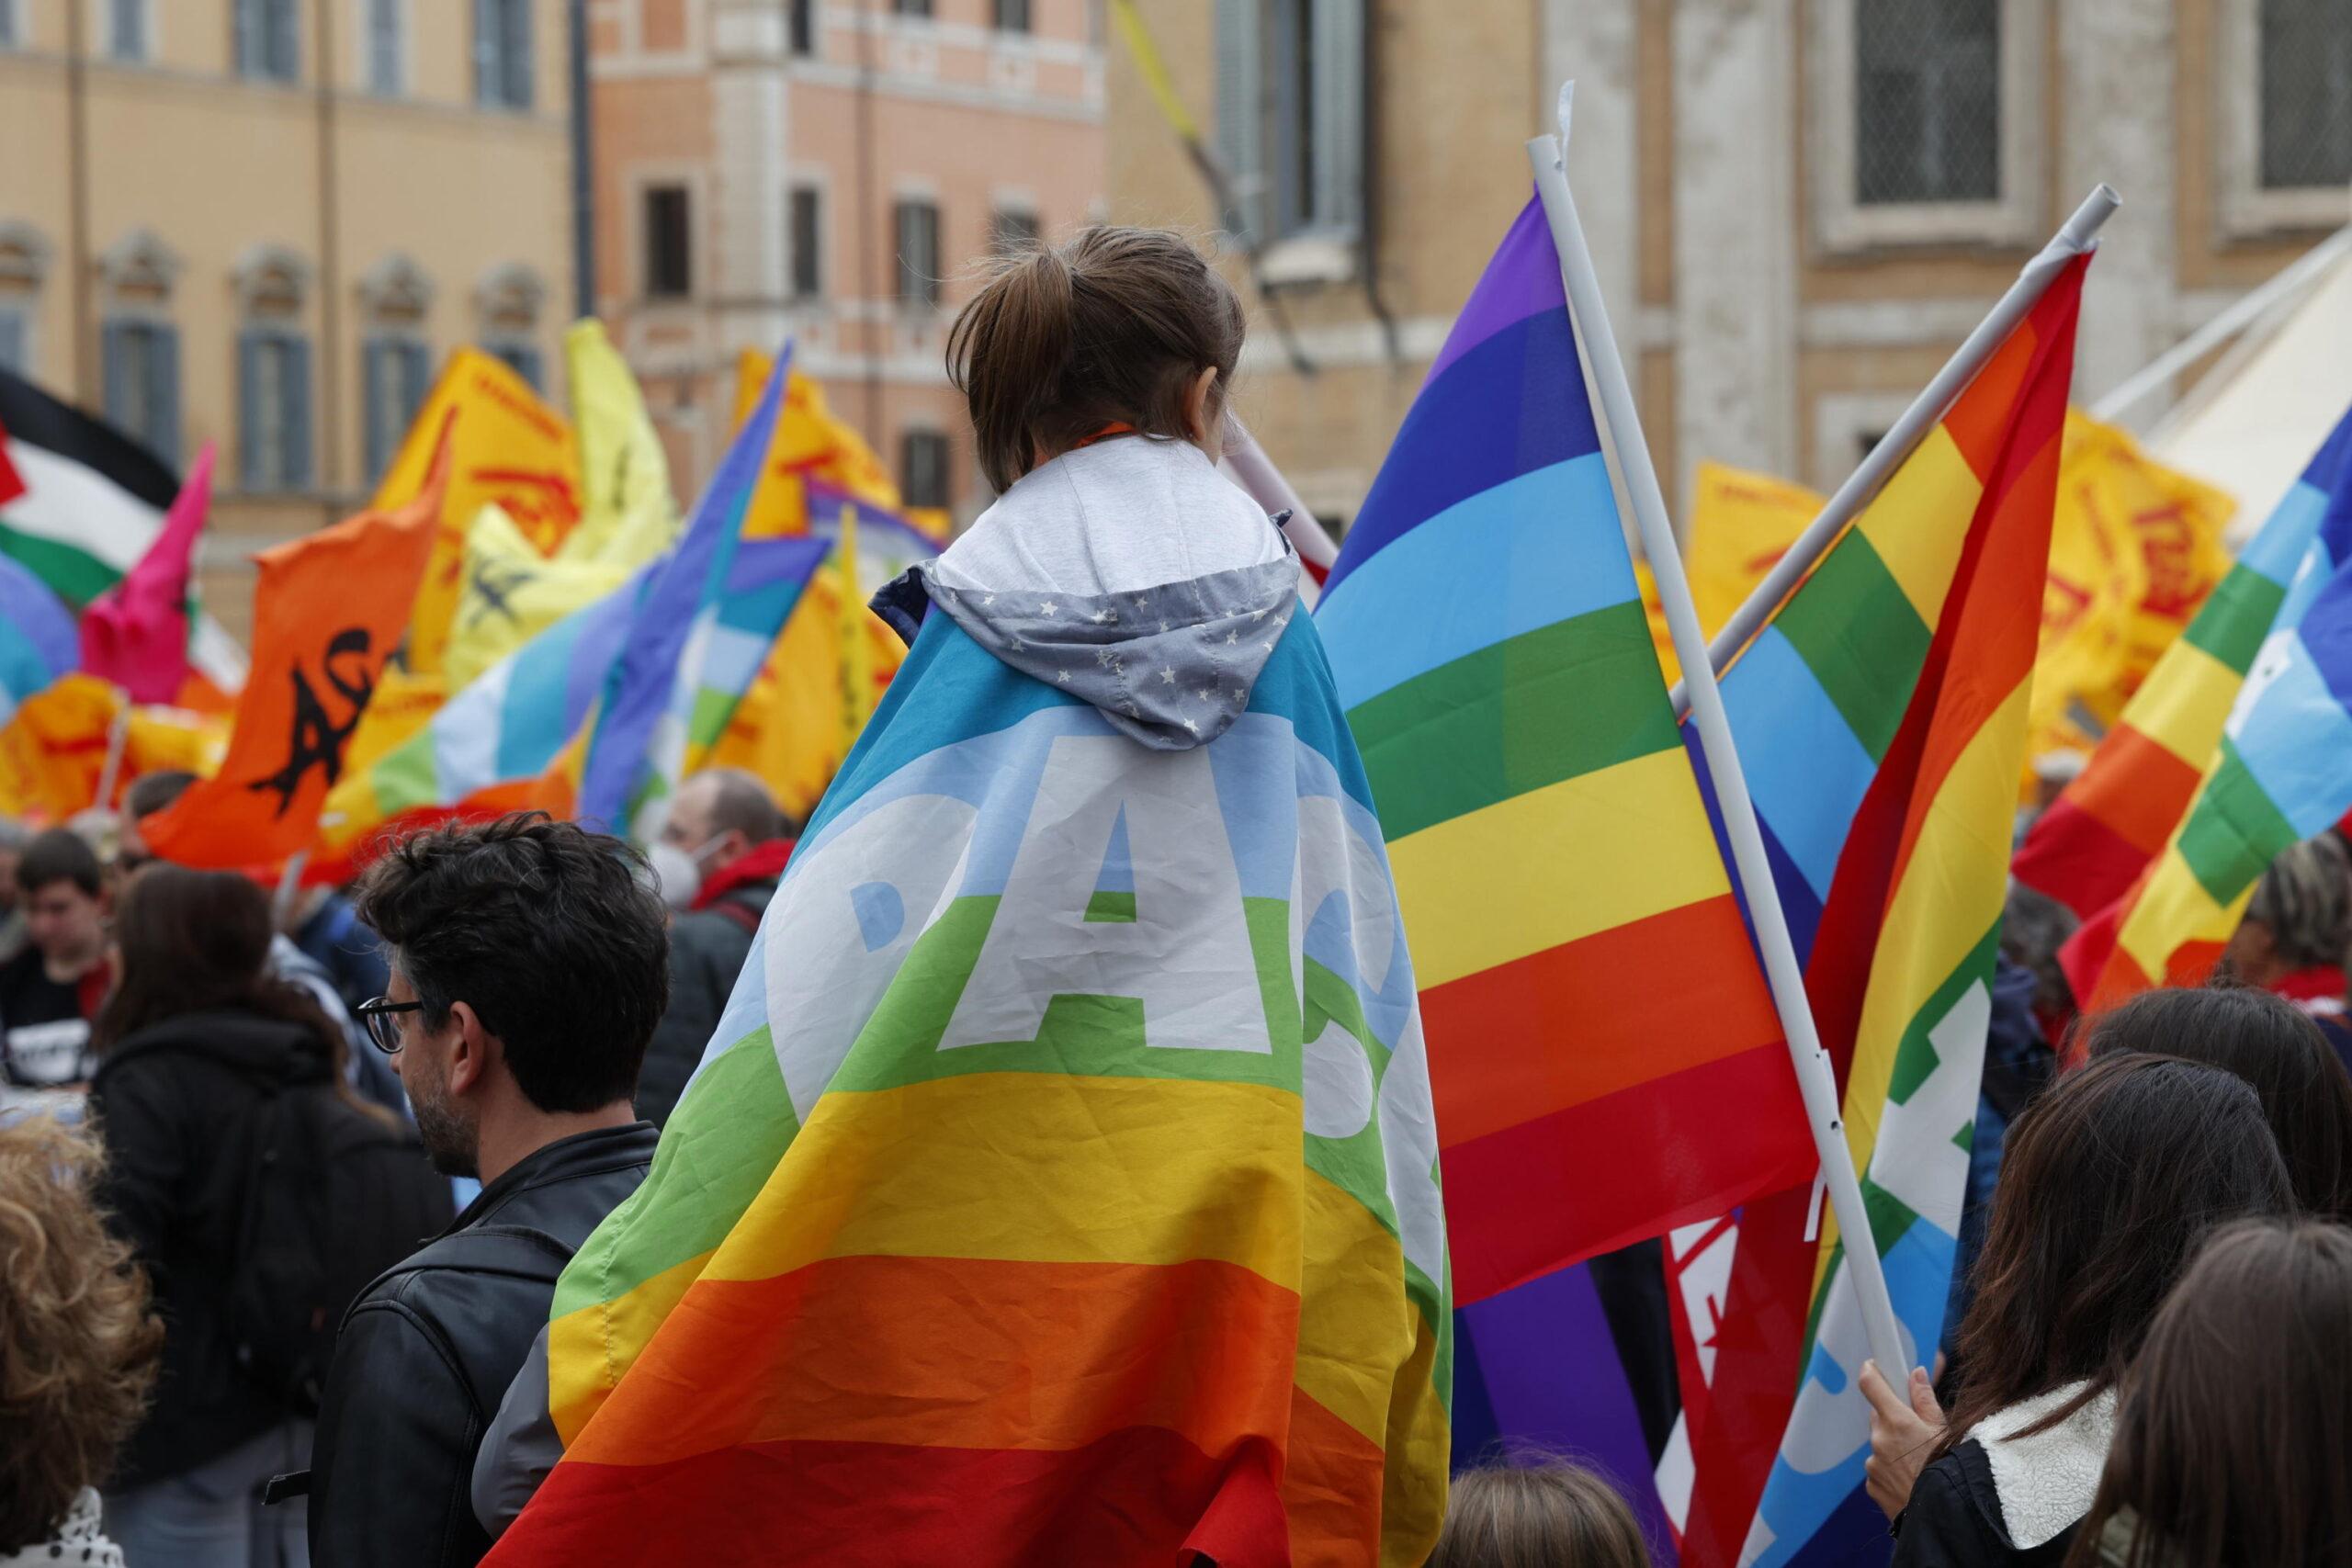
[1881,719]
[1594,1007]
[2098,838]
[686,659]
[39,641]
[1059,1185]
[2281,773]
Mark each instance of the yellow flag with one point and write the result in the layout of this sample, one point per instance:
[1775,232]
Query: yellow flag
[510,593]
[810,443]
[506,446]
[2134,548]
[787,730]
[628,513]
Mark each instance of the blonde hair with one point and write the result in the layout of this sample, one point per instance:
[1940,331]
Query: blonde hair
[78,1346]
[1549,1514]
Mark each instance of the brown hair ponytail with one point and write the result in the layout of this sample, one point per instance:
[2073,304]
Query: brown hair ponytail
[1110,328]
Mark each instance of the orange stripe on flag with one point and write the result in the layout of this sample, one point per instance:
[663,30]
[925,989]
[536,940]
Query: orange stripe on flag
[2138,788]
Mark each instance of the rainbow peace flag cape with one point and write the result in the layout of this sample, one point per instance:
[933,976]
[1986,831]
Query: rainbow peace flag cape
[1060,1184]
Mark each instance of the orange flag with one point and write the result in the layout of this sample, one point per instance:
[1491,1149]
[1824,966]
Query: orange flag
[328,611]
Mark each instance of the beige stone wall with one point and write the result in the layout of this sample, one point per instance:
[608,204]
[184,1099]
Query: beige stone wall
[214,166]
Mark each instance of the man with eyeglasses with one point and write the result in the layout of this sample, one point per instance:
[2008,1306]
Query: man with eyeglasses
[528,967]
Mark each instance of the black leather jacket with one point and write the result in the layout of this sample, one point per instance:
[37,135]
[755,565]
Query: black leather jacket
[427,1351]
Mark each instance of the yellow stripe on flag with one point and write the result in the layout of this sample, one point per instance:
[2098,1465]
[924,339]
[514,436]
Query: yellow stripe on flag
[1636,834]
[2174,908]
[1908,524]
[948,1168]
[2185,702]
[1354,1323]
[1950,894]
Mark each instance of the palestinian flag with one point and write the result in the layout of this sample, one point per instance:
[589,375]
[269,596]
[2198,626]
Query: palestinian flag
[79,503]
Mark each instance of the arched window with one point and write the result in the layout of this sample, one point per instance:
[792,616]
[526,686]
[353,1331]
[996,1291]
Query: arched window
[24,265]
[138,345]
[273,371]
[395,356]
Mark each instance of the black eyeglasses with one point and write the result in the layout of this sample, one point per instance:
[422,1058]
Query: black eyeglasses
[383,1029]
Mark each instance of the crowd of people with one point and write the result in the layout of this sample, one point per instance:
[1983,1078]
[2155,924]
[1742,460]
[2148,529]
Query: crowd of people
[287,1186]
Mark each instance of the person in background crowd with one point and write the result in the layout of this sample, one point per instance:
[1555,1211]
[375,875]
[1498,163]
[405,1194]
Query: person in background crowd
[2297,929]
[2233,1441]
[329,933]
[2112,1179]
[528,969]
[50,992]
[14,836]
[2033,928]
[1554,1515]
[2270,1044]
[197,1039]
[720,854]
[78,1348]
[150,792]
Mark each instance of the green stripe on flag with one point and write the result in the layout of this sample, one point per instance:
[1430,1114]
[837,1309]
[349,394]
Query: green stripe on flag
[1566,699]
[407,775]
[2236,618]
[2233,831]
[76,576]
[1112,907]
[1858,632]
[724,1141]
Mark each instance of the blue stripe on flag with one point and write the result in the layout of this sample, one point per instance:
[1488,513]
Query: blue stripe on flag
[1513,404]
[1531,552]
[1806,770]
[2295,735]
[2277,550]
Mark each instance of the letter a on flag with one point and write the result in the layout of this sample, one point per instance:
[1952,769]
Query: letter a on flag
[328,611]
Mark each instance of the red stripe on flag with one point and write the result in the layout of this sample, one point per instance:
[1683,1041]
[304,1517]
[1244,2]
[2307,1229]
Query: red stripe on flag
[2078,857]
[1139,1496]
[1552,1031]
[1523,1201]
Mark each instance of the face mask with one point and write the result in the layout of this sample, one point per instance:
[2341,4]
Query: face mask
[680,872]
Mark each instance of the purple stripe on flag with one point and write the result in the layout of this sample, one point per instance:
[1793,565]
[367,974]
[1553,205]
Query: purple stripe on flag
[41,618]
[1537,1366]
[1522,281]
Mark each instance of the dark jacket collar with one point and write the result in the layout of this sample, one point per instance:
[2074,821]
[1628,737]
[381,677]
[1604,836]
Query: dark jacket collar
[568,1159]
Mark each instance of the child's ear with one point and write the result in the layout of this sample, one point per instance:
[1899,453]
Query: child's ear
[1201,411]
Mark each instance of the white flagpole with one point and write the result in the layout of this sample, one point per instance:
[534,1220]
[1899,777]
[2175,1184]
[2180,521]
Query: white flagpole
[1256,473]
[1815,1077]
[2079,233]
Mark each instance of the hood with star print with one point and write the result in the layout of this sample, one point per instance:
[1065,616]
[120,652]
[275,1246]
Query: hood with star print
[1130,573]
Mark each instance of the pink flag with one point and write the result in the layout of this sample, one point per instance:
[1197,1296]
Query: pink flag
[135,633]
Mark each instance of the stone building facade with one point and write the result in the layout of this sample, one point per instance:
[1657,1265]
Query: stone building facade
[264,222]
[1797,207]
[834,171]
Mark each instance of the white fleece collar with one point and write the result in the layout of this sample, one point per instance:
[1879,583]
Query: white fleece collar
[2047,1481]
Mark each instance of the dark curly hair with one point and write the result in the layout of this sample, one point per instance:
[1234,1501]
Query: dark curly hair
[78,1346]
[545,930]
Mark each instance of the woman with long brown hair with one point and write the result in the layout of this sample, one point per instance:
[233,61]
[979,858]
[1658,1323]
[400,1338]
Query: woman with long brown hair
[2110,1182]
[2274,1045]
[195,1040]
[2233,1441]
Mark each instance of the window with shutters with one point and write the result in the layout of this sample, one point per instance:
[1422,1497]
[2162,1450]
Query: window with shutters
[503,53]
[804,28]
[1012,230]
[669,251]
[395,373]
[1012,15]
[806,243]
[1290,129]
[127,30]
[9,34]
[24,267]
[922,469]
[143,383]
[915,233]
[268,45]
[1926,129]
[920,8]
[273,409]
[523,359]
[386,44]
[16,340]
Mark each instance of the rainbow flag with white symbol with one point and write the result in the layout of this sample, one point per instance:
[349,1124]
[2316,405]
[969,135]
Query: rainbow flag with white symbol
[1060,1184]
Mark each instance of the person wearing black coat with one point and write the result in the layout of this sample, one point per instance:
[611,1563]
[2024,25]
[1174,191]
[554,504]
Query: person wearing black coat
[529,967]
[195,1040]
